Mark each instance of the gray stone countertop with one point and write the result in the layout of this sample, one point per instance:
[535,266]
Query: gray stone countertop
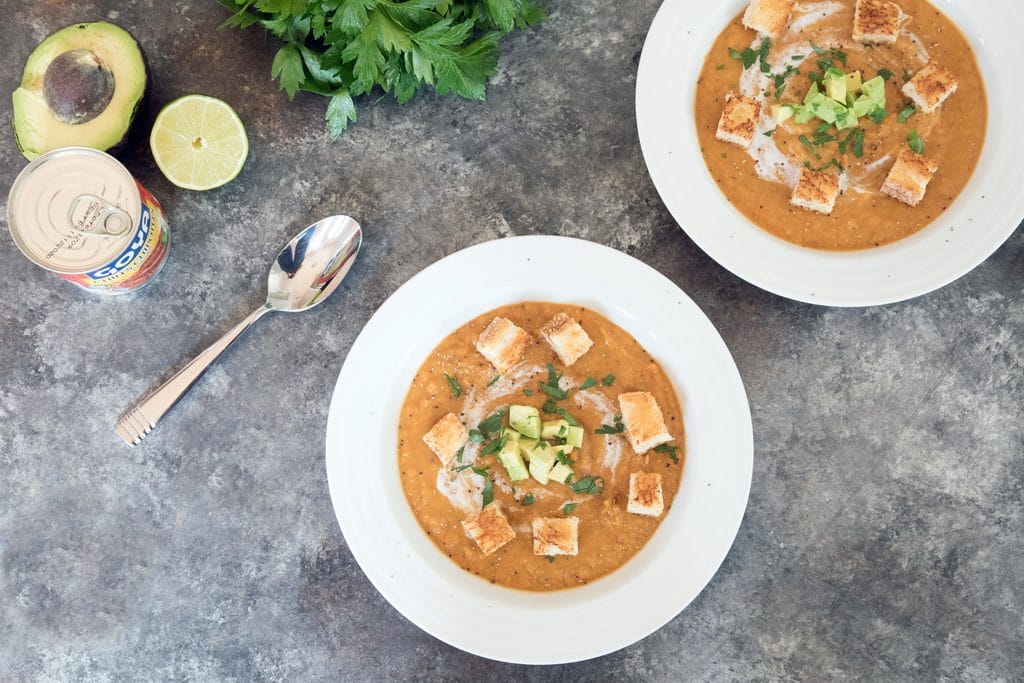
[884,537]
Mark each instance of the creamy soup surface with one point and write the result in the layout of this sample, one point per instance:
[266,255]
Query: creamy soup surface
[758,182]
[442,498]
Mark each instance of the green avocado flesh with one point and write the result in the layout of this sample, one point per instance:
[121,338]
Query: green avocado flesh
[81,87]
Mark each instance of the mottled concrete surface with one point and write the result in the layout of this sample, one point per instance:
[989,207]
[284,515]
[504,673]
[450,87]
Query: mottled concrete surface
[885,533]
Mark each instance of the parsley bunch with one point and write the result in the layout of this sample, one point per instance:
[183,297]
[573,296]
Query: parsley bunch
[345,48]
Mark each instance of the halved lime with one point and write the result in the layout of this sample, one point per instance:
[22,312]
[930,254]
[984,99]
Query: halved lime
[199,142]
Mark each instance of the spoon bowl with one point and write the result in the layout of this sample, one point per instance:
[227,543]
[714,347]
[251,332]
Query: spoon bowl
[306,271]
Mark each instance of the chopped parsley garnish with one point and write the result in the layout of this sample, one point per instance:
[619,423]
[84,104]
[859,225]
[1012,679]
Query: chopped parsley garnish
[907,75]
[494,380]
[608,380]
[493,423]
[568,508]
[617,428]
[885,74]
[762,55]
[488,492]
[588,484]
[549,407]
[454,385]
[671,451]
[493,446]
[550,558]
[563,458]
[589,382]
[877,115]
[915,142]
[839,56]
[482,471]
[854,140]
[551,387]
[810,146]
[459,453]
[460,468]
[749,55]
[825,167]
[720,67]
[476,436]
[906,113]
[527,392]
[798,58]
[818,50]
[528,499]
[769,133]
[564,414]
[822,135]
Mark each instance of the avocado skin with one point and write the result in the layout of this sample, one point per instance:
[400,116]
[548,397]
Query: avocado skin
[132,131]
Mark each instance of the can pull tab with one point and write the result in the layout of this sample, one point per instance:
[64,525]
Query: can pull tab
[94,216]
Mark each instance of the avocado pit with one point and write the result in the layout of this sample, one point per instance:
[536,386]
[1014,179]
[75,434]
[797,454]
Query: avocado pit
[77,86]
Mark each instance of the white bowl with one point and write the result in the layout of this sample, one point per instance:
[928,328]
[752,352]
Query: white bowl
[460,608]
[985,215]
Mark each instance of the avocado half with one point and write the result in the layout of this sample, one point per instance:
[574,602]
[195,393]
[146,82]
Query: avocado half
[81,86]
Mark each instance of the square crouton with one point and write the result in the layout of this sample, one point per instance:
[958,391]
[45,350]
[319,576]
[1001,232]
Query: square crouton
[877,21]
[739,120]
[446,438]
[503,343]
[930,87]
[645,426]
[908,180]
[770,17]
[816,191]
[489,528]
[556,536]
[567,337]
[645,495]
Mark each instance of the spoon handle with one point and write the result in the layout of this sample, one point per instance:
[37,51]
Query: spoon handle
[139,420]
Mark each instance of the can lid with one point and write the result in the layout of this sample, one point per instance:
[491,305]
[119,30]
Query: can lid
[73,210]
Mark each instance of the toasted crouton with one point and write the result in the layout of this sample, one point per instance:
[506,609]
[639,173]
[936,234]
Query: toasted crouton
[567,337]
[489,528]
[930,87]
[816,191]
[556,536]
[503,343]
[739,120]
[645,495]
[645,426]
[877,21]
[908,180]
[446,438]
[770,17]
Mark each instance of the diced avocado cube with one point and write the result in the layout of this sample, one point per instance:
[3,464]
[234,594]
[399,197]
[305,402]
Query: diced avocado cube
[863,106]
[511,434]
[575,437]
[835,87]
[875,90]
[563,449]
[563,474]
[782,112]
[803,115]
[526,445]
[509,457]
[541,462]
[846,120]
[825,112]
[812,93]
[853,82]
[553,429]
[525,420]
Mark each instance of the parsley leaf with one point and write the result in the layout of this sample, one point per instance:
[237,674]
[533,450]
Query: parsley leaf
[877,115]
[886,74]
[671,451]
[818,50]
[493,446]
[915,142]
[589,382]
[528,499]
[550,558]
[488,494]
[568,508]
[494,380]
[906,113]
[608,380]
[476,436]
[588,484]
[454,385]
[617,428]
[493,423]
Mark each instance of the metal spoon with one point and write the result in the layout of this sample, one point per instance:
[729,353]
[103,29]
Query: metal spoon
[305,273]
